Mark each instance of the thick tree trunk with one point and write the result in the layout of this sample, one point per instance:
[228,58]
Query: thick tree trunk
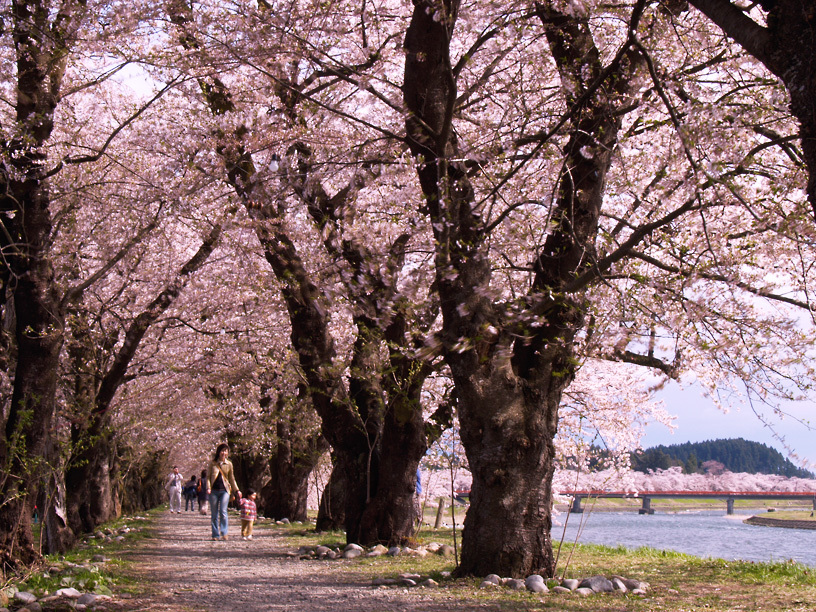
[361,479]
[28,429]
[507,431]
[389,518]
[286,493]
[331,514]
[88,481]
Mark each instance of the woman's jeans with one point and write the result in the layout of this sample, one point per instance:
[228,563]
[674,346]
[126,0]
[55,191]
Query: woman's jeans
[219,500]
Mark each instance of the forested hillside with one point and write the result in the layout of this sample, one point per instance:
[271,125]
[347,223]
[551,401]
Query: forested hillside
[734,455]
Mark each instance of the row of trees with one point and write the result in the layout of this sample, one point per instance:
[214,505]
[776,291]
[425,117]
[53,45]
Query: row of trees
[305,226]
[674,479]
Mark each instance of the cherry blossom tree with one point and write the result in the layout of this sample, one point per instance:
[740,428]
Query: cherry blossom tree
[371,415]
[513,355]
[88,481]
[568,184]
[627,263]
[53,51]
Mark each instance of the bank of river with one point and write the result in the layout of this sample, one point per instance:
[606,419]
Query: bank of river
[702,533]
[786,523]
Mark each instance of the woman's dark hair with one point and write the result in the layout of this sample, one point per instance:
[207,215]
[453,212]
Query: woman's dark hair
[218,450]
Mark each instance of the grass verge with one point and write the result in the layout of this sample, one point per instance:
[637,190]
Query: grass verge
[94,565]
[679,582]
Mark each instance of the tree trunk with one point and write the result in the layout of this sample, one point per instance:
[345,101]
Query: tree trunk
[286,493]
[18,548]
[507,431]
[331,514]
[361,478]
[56,535]
[389,518]
[89,480]
[39,335]
[143,482]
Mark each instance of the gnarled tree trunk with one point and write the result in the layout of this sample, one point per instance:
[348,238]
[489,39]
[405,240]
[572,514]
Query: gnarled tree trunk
[42,42]
[88,480]
[331,514]
[286,493]
[510,376]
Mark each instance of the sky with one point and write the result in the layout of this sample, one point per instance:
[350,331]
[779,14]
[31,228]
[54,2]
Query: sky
[698,419]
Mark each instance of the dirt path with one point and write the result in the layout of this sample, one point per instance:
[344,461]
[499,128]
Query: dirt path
[187,571]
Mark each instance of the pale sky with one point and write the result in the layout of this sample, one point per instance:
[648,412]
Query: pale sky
[698,419]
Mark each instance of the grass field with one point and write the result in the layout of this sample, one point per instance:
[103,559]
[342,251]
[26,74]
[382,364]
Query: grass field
[679,582]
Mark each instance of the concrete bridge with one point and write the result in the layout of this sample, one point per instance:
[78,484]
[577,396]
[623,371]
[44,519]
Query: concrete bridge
[648,496]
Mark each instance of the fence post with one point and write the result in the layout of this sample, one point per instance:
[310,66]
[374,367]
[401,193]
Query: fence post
[439,512]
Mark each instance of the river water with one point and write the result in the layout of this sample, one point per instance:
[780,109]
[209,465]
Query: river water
[703,534]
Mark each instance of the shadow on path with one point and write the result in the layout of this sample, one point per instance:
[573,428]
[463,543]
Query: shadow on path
[185,570]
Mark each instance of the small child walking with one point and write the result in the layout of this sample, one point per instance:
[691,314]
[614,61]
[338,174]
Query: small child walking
[249,512]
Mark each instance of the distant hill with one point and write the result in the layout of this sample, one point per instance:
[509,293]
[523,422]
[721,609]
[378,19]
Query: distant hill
[735,455]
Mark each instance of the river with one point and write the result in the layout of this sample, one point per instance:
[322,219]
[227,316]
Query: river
[703,534]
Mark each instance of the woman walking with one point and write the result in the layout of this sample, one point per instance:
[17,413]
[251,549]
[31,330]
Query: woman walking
[220,485]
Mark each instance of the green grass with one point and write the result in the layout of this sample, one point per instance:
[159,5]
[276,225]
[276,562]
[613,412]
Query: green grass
[679,582]
[791,515]
[76,567]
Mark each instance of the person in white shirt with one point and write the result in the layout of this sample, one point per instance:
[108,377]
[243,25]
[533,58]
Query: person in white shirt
[173,486]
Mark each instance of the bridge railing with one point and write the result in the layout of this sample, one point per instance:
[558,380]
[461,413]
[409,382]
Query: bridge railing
[647,496]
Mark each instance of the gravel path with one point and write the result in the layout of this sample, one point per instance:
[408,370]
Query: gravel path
[186,570]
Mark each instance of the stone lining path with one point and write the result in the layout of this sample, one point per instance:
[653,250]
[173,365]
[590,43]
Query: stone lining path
[185,570]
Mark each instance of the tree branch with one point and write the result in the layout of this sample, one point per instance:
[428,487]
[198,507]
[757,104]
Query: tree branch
[75,293]
[735,23]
